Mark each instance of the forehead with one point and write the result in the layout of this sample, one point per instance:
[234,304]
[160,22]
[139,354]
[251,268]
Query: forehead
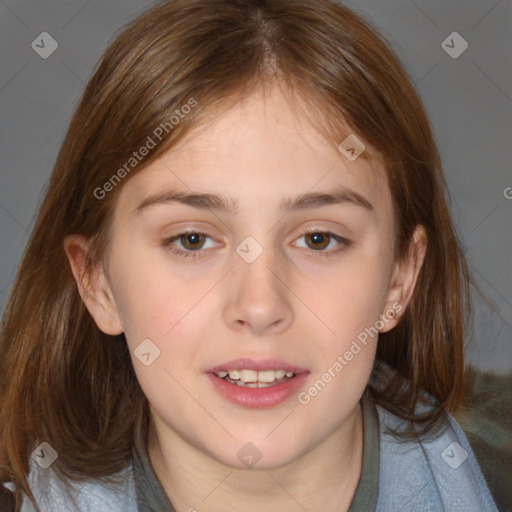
[262,147]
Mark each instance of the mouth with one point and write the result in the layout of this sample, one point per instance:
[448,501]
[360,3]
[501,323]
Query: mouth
[252,379]
[256,384]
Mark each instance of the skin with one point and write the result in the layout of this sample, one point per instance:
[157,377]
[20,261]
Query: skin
[291,303]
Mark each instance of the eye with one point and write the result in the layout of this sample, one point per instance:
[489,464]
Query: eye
[319,240]
[191,241]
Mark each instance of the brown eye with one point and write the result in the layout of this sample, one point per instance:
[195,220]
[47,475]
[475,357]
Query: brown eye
[319,240]
[192,241]
[188,244]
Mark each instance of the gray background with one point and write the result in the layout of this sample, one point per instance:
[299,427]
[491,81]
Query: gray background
[469,100]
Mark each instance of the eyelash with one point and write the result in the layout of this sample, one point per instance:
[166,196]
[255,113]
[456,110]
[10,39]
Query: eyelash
[345,244]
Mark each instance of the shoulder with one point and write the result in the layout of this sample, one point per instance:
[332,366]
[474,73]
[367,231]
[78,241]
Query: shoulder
[53,495]
[440,473]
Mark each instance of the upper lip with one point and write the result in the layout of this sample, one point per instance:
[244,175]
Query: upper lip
[261,365]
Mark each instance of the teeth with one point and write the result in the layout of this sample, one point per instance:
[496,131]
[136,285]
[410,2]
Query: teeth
[246,385]
[249,375]
[267,376]
[245,376]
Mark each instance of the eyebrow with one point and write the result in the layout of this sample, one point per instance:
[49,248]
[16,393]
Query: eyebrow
[219,202]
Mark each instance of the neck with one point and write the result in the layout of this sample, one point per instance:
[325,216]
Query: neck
[193,480]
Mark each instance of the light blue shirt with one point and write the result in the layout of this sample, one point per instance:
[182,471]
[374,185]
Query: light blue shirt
[440,474]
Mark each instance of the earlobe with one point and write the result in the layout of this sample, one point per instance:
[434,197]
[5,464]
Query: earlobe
[405,276]
[93,286]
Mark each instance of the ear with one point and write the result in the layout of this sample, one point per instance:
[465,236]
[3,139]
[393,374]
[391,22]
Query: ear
[404,277]
[93,286]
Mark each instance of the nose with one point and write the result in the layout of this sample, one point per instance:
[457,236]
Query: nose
[259,299]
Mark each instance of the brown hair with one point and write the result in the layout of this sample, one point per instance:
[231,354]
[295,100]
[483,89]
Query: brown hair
[64,381]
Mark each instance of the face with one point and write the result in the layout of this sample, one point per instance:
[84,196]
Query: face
[284,288]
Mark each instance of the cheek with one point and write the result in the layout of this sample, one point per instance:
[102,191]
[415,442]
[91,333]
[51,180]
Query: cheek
[156,303]
[345,354]
[349,301]
[353,297]
[162,312]
[149,294]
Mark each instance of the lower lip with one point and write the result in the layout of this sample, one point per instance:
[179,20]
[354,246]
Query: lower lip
[258,398]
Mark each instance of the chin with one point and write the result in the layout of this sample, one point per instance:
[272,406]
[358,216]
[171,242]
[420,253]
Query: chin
[257,456]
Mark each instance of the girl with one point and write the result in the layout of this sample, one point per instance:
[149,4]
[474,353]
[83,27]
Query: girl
[243,290]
